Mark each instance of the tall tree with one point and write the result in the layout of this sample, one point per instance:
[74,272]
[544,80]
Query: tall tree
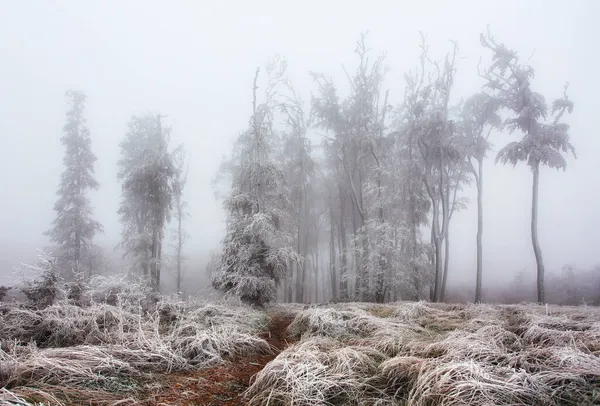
[147,172]
[542,143]
[256,248]
[478,118]
[413,203]
[180,208]
[440,158]
[298,170]
[356,127]
[73,229]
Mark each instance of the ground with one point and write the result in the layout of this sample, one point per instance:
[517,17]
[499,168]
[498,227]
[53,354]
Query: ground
[352,354]
[223,385]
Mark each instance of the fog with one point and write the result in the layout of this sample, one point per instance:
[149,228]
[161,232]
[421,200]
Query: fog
[195,63]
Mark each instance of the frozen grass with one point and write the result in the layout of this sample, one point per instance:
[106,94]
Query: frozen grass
[107,349]
[430,354]
[471,383]
[350,353]
[317,371]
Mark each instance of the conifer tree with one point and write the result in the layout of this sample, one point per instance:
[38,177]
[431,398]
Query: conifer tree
[74,228]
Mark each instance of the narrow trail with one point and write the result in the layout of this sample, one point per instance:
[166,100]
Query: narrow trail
[223,385]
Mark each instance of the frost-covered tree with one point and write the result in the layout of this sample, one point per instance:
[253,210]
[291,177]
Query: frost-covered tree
[478,118]
[146,172]
[299,172]
[256,248]
[413,202]
[543,142]
[180,208]
[74,228]
[439,160]
[354,144]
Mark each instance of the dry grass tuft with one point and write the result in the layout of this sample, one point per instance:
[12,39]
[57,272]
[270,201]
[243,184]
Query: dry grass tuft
[317,371]
[381,311]
[471,383]
[400,373]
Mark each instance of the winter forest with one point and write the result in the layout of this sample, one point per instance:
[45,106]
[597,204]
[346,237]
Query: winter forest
[337,279]
[346,196]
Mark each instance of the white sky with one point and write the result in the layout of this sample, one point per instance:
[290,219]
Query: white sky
[194,61]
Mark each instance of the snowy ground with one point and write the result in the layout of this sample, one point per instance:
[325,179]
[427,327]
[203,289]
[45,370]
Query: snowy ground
[352,354]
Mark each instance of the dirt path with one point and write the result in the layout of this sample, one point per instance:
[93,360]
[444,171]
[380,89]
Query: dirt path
[222,385]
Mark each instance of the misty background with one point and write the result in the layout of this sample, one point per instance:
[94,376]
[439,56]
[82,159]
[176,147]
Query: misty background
[195,61]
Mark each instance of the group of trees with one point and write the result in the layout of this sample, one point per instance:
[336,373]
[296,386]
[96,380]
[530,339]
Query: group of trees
[364,214]
[152,178]
[350,201]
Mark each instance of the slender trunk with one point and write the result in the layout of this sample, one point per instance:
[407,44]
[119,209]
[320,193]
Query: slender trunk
[304,293]
[286,281]
[441,233]
[357,258]
[438,270]
[343,254]
[437,243]
[479,232]
[299,268]
[289,287]
[304,253]
[332,266]
[432,264]
[78,225]
[446,262]
[414,247]
[534,236]
[158,261]
[179,245]
[316,273]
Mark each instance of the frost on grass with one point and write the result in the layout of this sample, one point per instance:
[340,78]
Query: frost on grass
[104,348]
[426,354]
[318,371]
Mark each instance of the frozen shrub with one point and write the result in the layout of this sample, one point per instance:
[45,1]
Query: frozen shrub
[3,291]
[42,289]
[76,289]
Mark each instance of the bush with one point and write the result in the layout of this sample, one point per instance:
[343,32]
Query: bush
[3,291]
[43,288]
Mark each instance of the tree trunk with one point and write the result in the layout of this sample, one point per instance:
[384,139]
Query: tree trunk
[284,287]
[343,255]
[446,263]
[433,267]
[305,231]
[316,267]
[437,292]
[332,266]
[534,236]
[299,269]
[158,262]
[479,233]
[414,248]
[437,243]
[179,245]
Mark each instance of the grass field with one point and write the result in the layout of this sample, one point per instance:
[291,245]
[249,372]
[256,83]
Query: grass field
[196,353]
